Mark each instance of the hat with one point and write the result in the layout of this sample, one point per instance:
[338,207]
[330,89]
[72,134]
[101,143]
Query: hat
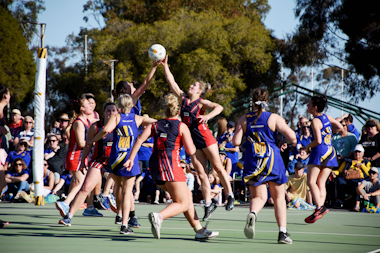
[222,151]
[370,123]
[359,147]
[64,116]
[231,123]
[374,169]
[16,111]
[299,165]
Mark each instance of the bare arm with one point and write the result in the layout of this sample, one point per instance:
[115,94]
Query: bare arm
[283,128]
[143,137]
[88,147]
[187,140]
[170,79]
[335,125]
[215,108]
[141,90]
[58,186]
[79,134]
[51,182]
[316,126]
[240,130]
[111,125]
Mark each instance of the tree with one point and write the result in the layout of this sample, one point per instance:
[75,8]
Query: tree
[341,30]
[17,66]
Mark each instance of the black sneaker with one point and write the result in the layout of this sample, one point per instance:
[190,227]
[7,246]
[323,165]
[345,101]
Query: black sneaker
[209,210]
[230,203]
[96,202]
[118,220]
[126,230]
[284,238]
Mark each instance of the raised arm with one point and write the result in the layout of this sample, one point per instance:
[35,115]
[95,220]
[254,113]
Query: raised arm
[215,108]
[111,125]
[141,90]
[335,125]
[170,79]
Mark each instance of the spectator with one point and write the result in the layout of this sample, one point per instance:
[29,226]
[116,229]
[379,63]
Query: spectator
[232,151]
[221,125]
[216,188]
[63,186]
[189,175]
[16,125]
[5,97]
[55,157]
[20,152]
[304,137]
[371,142]
[351,127]
[48,180]
[28,132]
[297,192]
[302,156]
[64,130]
[369,190]
[346,183]
[344,142]
[17,180]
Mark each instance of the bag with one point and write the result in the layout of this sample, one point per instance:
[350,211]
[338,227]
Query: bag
[352,174]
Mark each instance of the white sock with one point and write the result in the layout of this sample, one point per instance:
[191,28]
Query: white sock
[207,204]
[125,225]
[282,229]
[70,215]
[230,194]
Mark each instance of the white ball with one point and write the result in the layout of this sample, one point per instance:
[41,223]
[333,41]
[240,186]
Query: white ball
[157,52]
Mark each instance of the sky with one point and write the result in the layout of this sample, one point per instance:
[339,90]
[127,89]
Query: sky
[66,17]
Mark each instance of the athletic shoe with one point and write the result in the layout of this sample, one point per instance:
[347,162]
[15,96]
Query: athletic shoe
[209,210]
[62,207]
[230,203]
[105,202]
[133,223]
[136,201]
[83,206]
[156,224]
[113,205]
[25,197]
[65,221]
[118,220]
[284,238]
[204,234]
[3,223]
[96,202]
[92,212]
[318,213]
[126,230]
[156,202]
[249,229]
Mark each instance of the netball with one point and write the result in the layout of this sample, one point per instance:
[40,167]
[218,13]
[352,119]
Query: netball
[157,52]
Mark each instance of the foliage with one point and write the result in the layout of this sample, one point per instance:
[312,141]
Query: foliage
[201,46]
[149,11]
[17,66]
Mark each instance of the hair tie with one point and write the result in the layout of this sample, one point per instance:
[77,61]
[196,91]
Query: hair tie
[262,103]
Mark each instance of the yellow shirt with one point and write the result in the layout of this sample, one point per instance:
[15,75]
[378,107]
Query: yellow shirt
[363,168]
[297,186]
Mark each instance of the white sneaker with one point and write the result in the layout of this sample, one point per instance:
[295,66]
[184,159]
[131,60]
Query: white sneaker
[156,202]
[205,234]
[249,229]
[156,224]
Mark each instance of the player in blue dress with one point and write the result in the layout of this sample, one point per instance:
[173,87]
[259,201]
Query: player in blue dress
[263,163]
[323,156]
[124,126]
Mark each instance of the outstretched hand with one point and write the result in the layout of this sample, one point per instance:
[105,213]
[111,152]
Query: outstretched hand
[156,62]
[164,61]
[128,165]
[203,119]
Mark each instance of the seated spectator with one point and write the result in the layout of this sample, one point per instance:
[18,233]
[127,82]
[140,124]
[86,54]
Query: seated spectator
[189,175]
[48,180]
[369,190]
[371,142]
[302,156]
[17,180]
[28,132]
[16,125]
[304,138]
[297,192]
[344,142]
[55,157]
[351,127]
[346,182]
[64,129]
[20,152]
[63,186]
[216,188]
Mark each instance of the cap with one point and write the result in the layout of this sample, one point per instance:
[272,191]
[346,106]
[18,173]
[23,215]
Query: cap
[231,123]
[359,147]
[374,169]
[299,165]
[64,116]
[222,151]
[16,111]
[370,123]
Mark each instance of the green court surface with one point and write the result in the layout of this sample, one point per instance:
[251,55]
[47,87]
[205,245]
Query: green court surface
[35,229]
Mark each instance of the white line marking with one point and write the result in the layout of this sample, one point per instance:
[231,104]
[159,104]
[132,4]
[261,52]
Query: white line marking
[378,250]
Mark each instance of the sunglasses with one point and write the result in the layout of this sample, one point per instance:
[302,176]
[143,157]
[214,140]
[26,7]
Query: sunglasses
[372,172]
[53,140]
[62,120]
[28,122]
[19,164]
[344,125]
[45,164]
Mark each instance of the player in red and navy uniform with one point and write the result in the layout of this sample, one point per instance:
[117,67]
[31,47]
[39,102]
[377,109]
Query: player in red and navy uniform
[165,168]
[192,114]
[100,160]
[78,135]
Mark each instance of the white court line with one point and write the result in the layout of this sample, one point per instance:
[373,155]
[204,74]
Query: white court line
[378,250]
[216,229]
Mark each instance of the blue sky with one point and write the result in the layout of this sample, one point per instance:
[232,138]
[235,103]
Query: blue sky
[65,17]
